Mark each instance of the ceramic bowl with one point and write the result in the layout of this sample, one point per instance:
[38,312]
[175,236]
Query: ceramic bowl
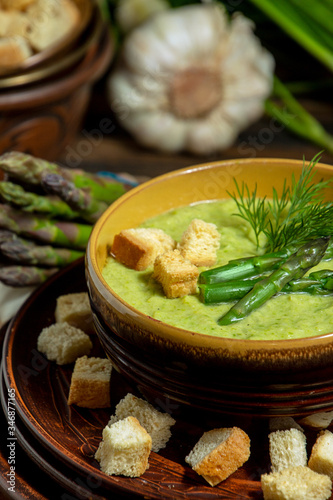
[188,369]
[54,96]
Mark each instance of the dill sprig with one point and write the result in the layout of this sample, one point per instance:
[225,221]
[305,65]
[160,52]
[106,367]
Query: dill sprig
[293,218]
[252,209]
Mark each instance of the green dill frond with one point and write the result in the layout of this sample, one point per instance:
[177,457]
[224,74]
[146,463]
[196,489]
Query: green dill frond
[296,216]
[251,208]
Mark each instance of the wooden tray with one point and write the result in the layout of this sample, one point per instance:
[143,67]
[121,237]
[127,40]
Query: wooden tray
[62,440]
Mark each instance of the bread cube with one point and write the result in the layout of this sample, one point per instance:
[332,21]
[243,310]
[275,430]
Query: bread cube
[200,242]
[13,24]
[138,248]
[296,483]
[283,424]
[287,448]
[63,343]
[177,275]
[14,50]
[156,423]
[319,420]
[125,448]
[219,453]
[59,19]
[321,457]
[90,383]
[74,308]
[15,4]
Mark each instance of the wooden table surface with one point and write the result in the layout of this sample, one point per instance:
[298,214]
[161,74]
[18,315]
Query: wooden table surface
[118,152]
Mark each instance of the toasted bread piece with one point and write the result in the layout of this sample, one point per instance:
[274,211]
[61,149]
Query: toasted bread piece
[50,20]
[200,242]
[13,23]
[319,420]
[125,449]
[13,51]
[321,457]
[156,423]
[219,453]
[296,483]
[138,248]
[74,308]
[287,449]
[177,275]
[63,343]
[90,383]
[16,4]
[283,424]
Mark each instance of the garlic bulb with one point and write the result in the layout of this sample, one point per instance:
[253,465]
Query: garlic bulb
[131,13]
[190,79]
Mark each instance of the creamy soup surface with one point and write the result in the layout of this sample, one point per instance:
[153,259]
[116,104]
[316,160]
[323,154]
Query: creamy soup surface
[284,316]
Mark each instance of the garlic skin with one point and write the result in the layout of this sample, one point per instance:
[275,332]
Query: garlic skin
[190,80]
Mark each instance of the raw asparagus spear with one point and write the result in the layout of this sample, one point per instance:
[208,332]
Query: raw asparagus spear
[24,251]
[65,234]
[252,266]
[78,199]
[31,202]
[294,267]
[18,276]
[236,289]
[5,235]
[28,169]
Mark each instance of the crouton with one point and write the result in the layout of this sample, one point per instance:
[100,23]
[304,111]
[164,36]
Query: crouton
[287,448]
[283,424]
[74,308]
[200,242]
[219,453]
[296,483]
[319,420]
[13,51]
[125,448]
[15,4]
[177,275]
[90,383]
[59,19]
[156,423]
[63,343]
[321,457]
[138,248]
[13,23]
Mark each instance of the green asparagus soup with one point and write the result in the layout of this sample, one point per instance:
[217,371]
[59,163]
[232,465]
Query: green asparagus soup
[284,316]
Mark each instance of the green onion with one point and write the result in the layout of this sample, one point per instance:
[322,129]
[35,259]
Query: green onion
[304,21]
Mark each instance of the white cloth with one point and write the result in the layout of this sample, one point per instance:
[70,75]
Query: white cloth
[11,299]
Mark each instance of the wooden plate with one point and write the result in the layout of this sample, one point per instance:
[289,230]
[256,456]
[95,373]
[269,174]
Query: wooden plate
[62,440]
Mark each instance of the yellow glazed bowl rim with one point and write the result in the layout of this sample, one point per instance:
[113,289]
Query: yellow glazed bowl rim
[100,239]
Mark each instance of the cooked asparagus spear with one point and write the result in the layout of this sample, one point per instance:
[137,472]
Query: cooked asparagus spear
[24,275]
[66,234]
[236,289]
[78,199]
[53,206]
[229,291]
[252,266]
[27,168]
[25,251]
[244,268]
[294,267]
